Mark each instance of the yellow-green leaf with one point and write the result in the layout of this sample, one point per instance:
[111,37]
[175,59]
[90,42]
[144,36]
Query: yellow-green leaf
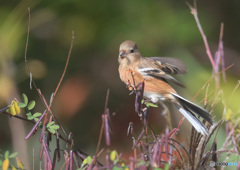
[55,126]
[228,115]
[12,110]
[17,108]
[5,164]
[113,155]
[87,160]
[50,123]
[31,105]
[51,130]
[20,164]
[25,99]
[13,155]
[37,114]
[13,167]
[6,154]
[21,105]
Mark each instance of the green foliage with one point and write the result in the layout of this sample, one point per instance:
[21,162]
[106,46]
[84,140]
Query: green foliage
[148,104]
[99,36]
[166,166]
[117,168]
[85,162]
[31,105]
[52,127]
[5,158]
[13,155]
[6,154]
[25,101]
[21,105]
[141,162]
[113,155]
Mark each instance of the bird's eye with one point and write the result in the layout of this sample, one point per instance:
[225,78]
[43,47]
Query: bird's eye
[132,51]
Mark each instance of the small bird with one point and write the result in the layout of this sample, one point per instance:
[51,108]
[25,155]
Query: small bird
[155,72]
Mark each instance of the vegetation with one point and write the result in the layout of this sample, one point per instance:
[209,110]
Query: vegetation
[150,148]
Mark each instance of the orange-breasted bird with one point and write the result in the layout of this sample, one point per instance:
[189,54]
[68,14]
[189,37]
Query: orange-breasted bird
[155,72]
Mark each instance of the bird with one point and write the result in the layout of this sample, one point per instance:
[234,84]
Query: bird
[156,73]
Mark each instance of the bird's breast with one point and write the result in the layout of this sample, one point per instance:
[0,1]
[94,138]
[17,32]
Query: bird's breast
[154,89]
[129,76]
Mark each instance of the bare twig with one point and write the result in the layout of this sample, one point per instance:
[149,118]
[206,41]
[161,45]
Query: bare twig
[195,14]
[102,125]
[64,71]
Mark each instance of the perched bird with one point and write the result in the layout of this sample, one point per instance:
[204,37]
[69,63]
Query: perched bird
[155,72]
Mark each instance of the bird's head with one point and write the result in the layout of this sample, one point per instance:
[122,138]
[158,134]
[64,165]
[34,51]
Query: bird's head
[128,52]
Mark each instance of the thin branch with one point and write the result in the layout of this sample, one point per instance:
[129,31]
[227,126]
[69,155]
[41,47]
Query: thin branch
[64,71]
[18,117]
[195,14]
[234,90]
[208,81]
[107,98]
[102,126]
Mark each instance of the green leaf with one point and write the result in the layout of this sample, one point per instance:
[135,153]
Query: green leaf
[113,155]
[31,105]
[166,166]
[50,124]
[37,114]
[87,160]
[40,125]
[8,110]
[28,113]
[36,119]
[141,162]
[13,155]
[1,163]
[13,167]
[51,130]
[55,127]
[117,168]
[25,99]
[6,154]
[30,117]
[21,105]
[150,104]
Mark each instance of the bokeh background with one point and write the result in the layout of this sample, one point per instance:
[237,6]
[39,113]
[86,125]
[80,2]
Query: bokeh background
[159,27]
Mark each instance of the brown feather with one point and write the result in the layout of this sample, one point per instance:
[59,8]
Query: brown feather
[171,65]
[158,70]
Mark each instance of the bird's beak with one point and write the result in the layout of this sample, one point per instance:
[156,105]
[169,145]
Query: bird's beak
[122,54]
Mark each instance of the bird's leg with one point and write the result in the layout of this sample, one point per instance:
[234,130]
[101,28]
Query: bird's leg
[166,114]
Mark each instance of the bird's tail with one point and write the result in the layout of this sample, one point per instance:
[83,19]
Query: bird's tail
[188,109]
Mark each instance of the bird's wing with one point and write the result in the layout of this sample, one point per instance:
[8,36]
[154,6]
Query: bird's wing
[161,67]
[170,65]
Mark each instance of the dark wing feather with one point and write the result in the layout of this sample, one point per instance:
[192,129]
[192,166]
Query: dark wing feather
[161,67]
[167,77]
[171,65]
[191,107]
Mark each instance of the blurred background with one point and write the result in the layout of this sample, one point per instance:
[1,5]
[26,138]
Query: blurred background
[160,28]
